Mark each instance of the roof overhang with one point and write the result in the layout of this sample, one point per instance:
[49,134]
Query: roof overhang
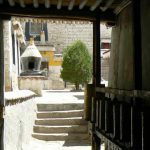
[64,9]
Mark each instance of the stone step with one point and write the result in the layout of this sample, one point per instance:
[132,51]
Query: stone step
[61,121]
[60,114]
[60,136]
[60,129]
[60,107]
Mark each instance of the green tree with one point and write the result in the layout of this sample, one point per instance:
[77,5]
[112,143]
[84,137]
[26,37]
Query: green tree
[77,65]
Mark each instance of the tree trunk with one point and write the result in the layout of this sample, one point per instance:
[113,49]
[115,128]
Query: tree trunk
[77,86]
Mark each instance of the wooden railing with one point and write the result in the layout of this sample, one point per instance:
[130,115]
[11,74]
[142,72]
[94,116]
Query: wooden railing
[121,117]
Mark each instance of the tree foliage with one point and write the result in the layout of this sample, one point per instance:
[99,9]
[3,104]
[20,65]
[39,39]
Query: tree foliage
[77,65]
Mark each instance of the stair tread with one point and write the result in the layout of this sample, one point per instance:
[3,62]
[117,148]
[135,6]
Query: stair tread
[58,126]
[61,111]
[79,103]
[58,134]
[69,118]
[60,122]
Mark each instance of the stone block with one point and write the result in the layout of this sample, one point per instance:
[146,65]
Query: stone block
[33,83]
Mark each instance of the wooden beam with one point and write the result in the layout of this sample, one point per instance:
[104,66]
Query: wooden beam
[137,137]
[59,3]
[47,3]
[71,4]
[22,4]
[82,4]
[63,13]
[107,5]
[11,2]
[35,3]
[121,6]
[95,5]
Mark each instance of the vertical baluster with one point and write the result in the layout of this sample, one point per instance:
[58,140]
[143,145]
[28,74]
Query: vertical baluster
[136,125]
[102,115]
[105,114]
[143,134]
[125,122]
[116,119]
[145,128]
[121,121]
[93,112]
[97,113]
[99,119]
[108,116]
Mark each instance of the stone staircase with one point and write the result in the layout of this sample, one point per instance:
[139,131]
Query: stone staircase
[60,122]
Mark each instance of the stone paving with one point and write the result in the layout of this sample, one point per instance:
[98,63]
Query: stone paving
[57,145]
[64,96]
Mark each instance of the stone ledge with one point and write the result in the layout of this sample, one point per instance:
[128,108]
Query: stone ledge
[33,77]
[18,96]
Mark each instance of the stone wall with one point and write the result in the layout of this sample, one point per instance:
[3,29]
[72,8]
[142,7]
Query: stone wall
[33,83]
[19,119]
[62,35]
[105,68]
[54,81]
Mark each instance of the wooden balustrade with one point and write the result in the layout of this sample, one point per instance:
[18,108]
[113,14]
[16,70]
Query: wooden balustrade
[121,118]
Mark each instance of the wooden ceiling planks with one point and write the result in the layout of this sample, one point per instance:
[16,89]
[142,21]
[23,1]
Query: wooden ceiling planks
[82,4]
[76,9]
[92,4]
[59,4]
[95,5]
[47,3]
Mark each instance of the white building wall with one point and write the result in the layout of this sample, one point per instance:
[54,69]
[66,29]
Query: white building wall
[19,121]
[7,54]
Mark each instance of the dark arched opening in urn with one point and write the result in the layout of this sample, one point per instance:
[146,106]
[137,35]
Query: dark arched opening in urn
[31,65]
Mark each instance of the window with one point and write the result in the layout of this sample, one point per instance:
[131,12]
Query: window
[105,45]
[34,29]
[13,49]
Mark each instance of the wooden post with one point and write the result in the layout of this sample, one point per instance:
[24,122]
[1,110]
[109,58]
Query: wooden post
[137,44]
[96,52]
[1,84]
[136,124]
[96,76]
[96,142]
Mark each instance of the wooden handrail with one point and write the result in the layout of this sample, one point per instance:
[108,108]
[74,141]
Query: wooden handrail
[130,93]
